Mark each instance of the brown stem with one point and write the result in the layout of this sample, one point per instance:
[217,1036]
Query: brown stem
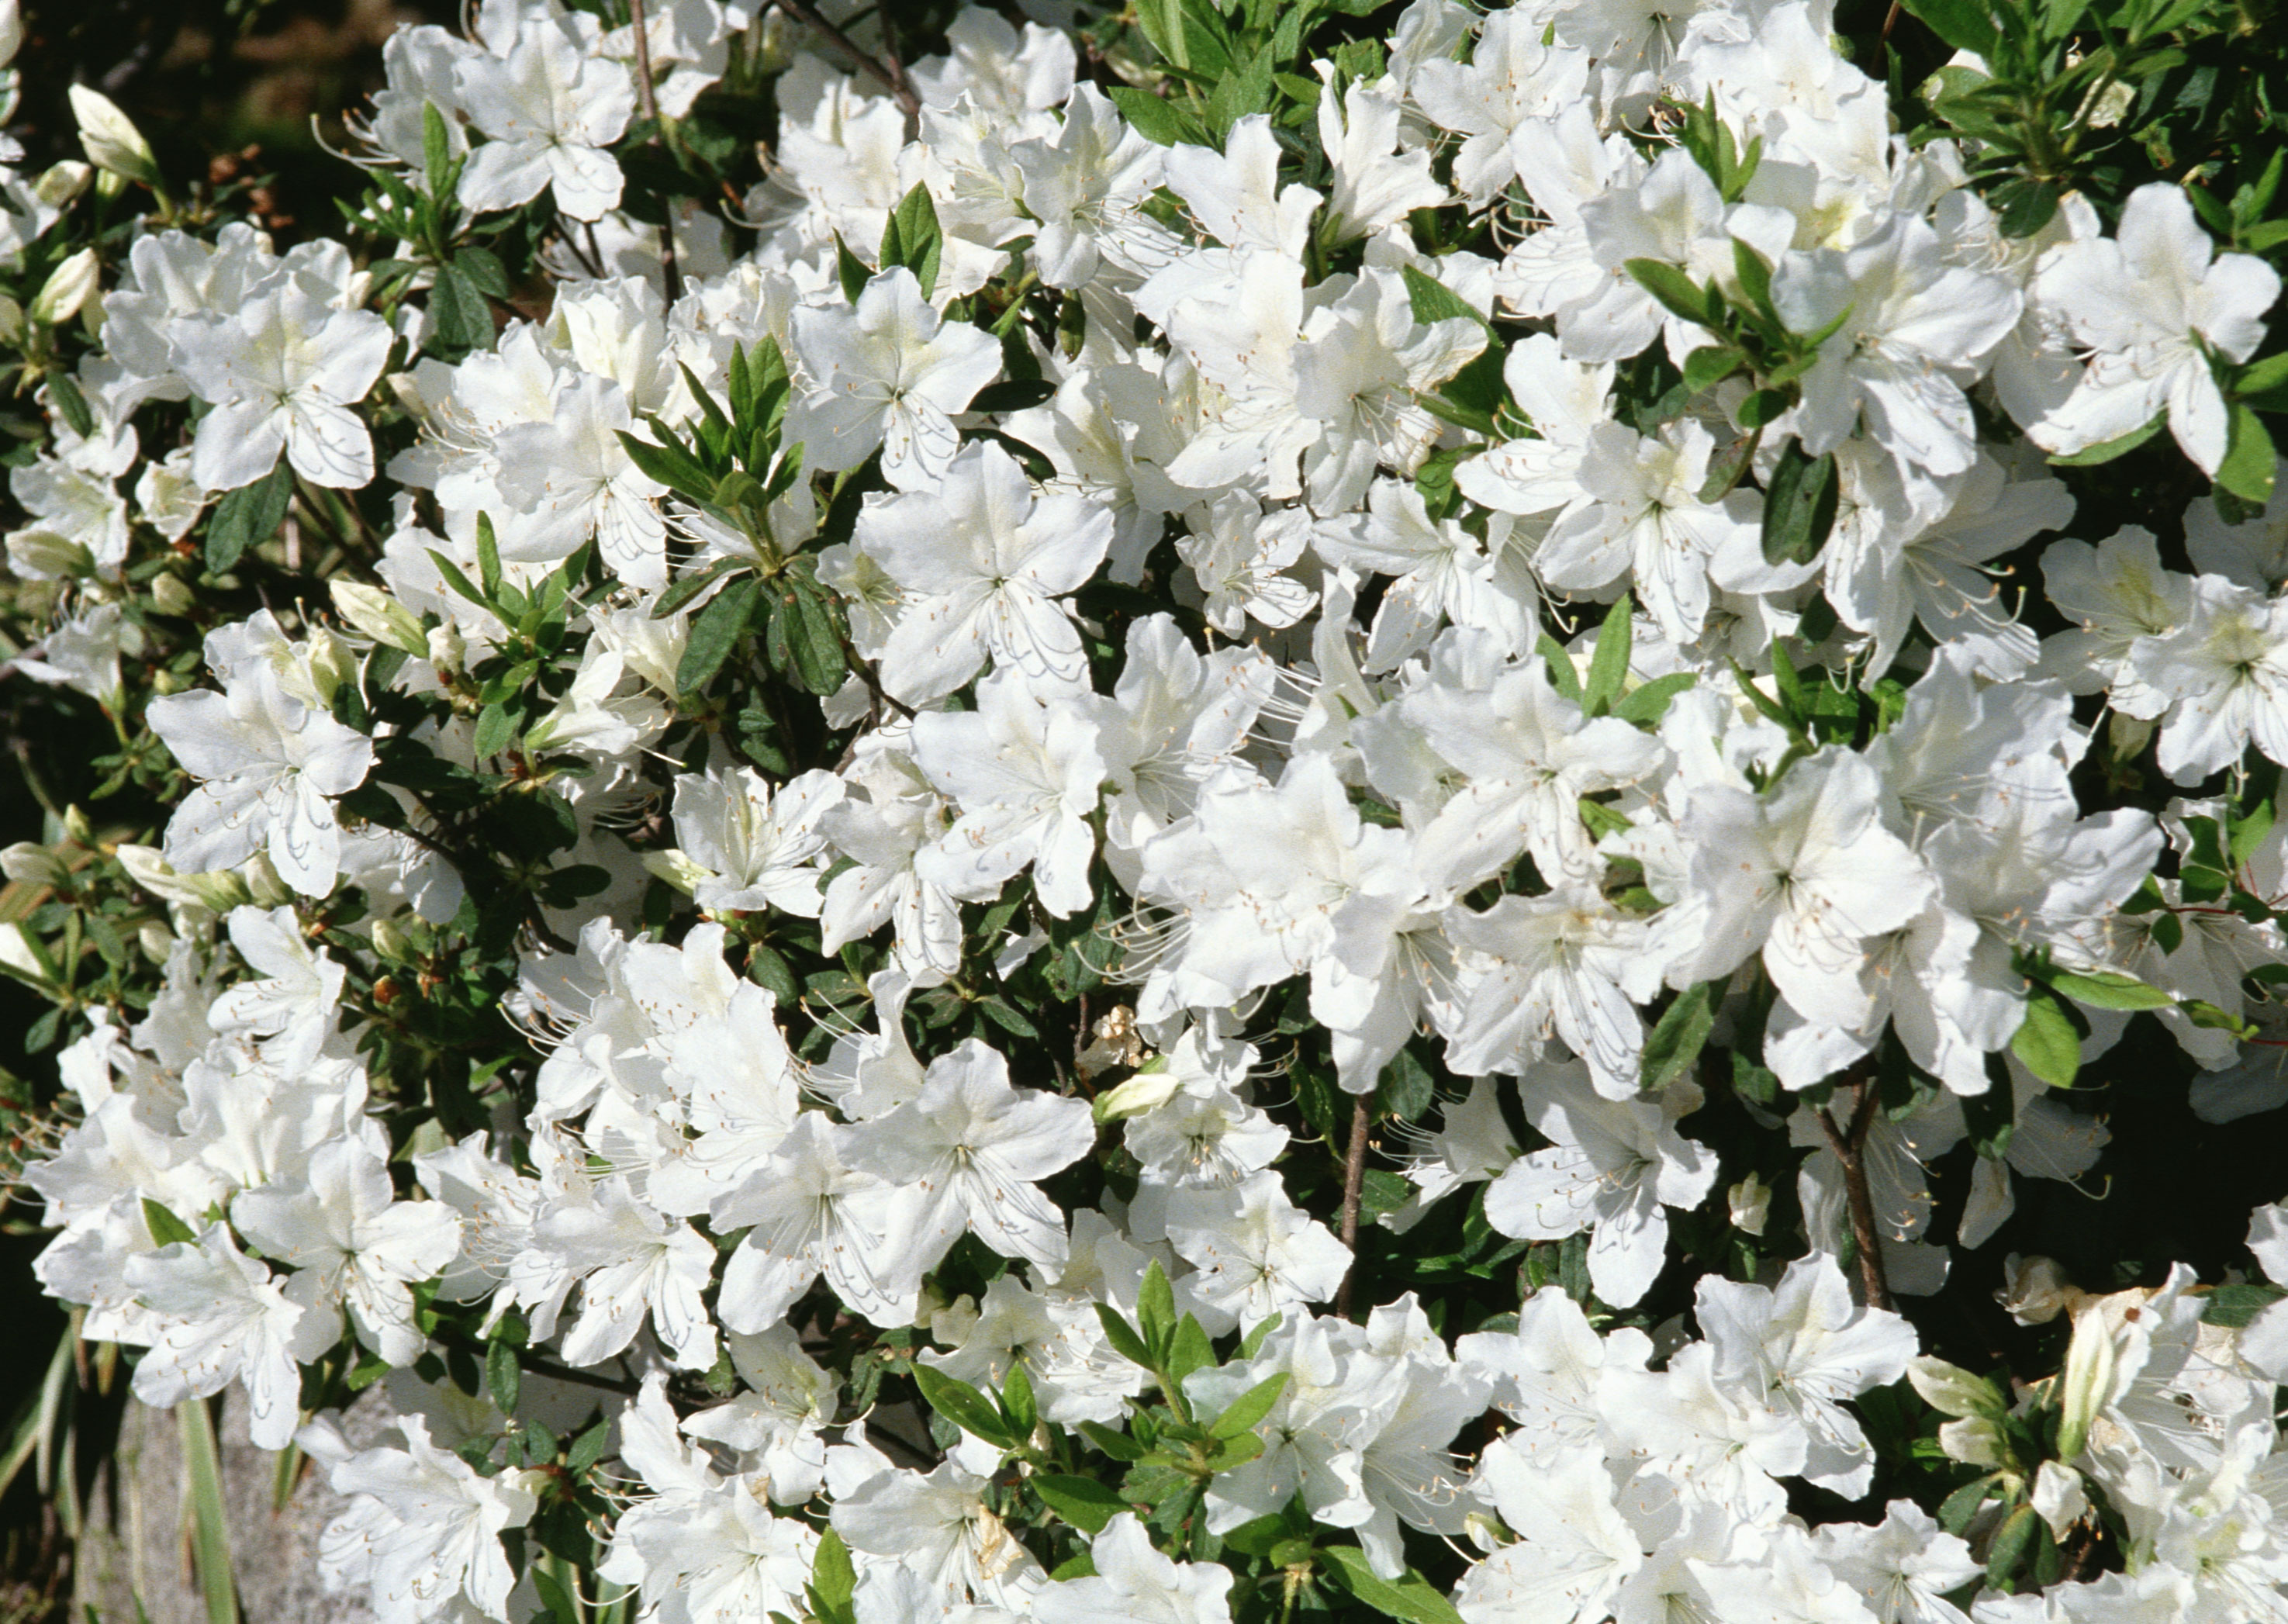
[651,113]
[892,78]
[1353,1183]
[1850,1147]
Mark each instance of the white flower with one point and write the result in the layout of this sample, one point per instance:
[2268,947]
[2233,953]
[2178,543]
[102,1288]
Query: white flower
[549,107]
[2147,304]
[979,1147]
[422,1530]
[759,850]
[985,565]
[1134,1581]
[889,373]
[219,1317]
[269,762]
[1612,1167]
[283,372]
[1255,1252]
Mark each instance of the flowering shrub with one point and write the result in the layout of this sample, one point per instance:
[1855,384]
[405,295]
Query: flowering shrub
[1255,810]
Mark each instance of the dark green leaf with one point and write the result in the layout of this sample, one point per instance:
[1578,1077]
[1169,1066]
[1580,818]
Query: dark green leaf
[963,1405]
[1608,666]
[166,1229]
[1799,505]
[1674,1045]
[1410,1597]
[2046,1040]
[715,632]
[1088,1506]
[248,517]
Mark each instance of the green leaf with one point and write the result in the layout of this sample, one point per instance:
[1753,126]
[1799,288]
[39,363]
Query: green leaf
[2024,206]
[668,460]
[1964,24]
[1677,292]
[1434,301]
[436,154]
[210,1511]
[503,1376]
[1608,666]
[1086,1504]
[1246,1413]
[1674,1045]
[1017,1401]
[810,616]
[1122,1337]
[166,1229]
[1710,365]
[1156,119]
[2009,1545]
[484,271]
[64,389]
[691,586]
[963,1405]
[1155,1310]
[715,632]
[2089,456]
[248,517]
[2109,989]
[1799,504]
[850,270]
[1120,1445]
[2047,1041]
[2233,1306]
[1563,676]
[464,321]
[1409,1596]
[912,238]
[1645,705]
[834,1579]
[2246,471]
[1189,1349]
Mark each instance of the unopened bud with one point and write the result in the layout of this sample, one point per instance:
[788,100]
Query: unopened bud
[332,661]
[2087,1385]
[27,862]
[1751,1204]
[62,182]
[1145,1091]
[263,885]
[171,594]
[69,286]
[165,682]
[149,867]
[77,827]
[1974,1443]
[447,651]
[1952,1391]
[17,953]
[155,939]
[376,614]
[113,142]
[677,869]
[390,941]
[42,555]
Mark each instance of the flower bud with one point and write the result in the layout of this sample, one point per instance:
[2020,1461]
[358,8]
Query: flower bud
[1974,1443]
[263,885]
[149,867]
[69,286]
[77,827]
[1952,1391]
[156,940]
[2035,1290]
[27,862]
[1751,1204]
[18,953]
[378,616]
[113,142]
[332,661]
[2059,1498]
[1151,1087]
[677,869]
[165,682]
[171,594]
[2087,1385]
[390,941]
[42,555]
[447,651]
[62,182]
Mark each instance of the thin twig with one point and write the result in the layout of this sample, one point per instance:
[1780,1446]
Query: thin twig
[651,113]
[1850,1147]
[1353,1184]
[892,78]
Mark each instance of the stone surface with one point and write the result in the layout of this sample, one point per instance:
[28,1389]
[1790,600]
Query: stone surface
[137,1544]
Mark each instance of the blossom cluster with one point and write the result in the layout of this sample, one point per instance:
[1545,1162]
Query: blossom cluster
[1172,841]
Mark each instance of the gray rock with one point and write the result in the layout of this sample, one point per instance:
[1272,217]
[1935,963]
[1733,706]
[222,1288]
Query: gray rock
[137,1544]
